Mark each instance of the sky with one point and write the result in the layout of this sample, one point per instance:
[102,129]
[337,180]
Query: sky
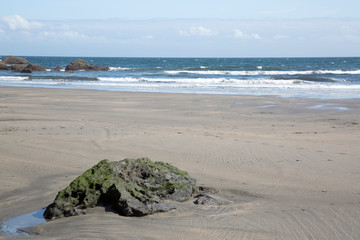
[180,28]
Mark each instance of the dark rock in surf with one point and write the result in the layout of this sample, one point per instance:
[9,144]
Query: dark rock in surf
[33,68]
[15,60]
[97,68]
[57,69]
[81,64]
[26,70]
[132,187]
[4,66]
[18,64]
[18,67]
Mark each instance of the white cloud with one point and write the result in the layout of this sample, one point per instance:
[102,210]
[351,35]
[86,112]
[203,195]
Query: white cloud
[16,22]
[198,31]
[63,35]
[148,37]
[240,34]
[225,37]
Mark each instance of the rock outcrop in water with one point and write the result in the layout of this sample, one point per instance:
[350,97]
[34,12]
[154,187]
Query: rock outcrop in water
[3,66]
[18,64]
[56,69]
[17,67]
[81,64]
[132,187]
[15,60]
[32,68]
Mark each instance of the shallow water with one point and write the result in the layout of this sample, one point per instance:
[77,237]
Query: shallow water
[268,106]
[13,226]
[329,107]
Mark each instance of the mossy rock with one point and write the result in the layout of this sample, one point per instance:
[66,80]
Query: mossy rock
[132,187]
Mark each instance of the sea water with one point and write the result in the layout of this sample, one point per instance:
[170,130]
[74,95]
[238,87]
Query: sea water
[13,226]
[328,78]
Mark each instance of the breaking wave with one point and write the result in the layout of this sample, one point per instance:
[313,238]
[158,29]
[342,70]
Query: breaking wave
[256,73]
[9,78]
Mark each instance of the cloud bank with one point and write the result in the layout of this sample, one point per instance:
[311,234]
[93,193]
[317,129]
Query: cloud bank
[16,22]
[198,31]
[180,37]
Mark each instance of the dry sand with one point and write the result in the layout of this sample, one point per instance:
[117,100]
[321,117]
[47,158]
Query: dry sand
[287,169]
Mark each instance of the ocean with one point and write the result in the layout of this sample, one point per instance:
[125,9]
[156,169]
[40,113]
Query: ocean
[326,78]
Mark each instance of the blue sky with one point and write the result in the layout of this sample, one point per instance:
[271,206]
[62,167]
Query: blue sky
[180,28]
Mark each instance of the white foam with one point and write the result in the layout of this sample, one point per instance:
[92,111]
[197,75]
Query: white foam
[10,78]
[118,69]
[170,80]
[353,72]
[267,73]
[121,79]
[223,83]
[265,85]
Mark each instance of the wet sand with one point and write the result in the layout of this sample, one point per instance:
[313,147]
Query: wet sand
[286,168]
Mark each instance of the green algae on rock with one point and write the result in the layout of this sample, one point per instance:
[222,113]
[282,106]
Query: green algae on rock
[133,187]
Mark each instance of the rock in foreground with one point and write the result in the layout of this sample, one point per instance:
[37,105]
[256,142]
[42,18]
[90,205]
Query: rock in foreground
[132,187]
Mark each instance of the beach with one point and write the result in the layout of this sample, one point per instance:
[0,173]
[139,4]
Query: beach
[286,168]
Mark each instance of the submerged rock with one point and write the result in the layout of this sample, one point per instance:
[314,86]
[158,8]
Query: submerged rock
[81,64]
[132,187]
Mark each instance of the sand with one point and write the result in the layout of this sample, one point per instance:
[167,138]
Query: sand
[286,168]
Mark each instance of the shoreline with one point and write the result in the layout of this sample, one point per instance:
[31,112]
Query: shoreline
[279,95]
[289,171]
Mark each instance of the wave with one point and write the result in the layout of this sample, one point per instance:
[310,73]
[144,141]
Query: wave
[256,84]
[312,78]
[65,78]
[183,85]
[168,80]
[119,68]
[9,78]
[256,73]
[220,81]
